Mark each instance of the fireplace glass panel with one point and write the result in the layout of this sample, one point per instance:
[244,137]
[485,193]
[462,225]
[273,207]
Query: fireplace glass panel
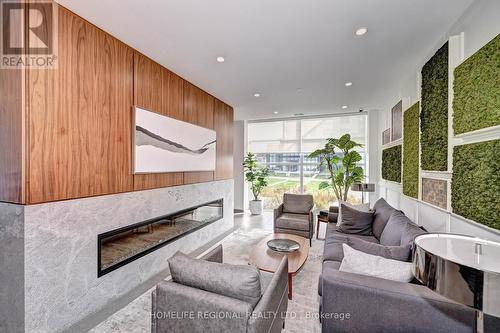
[121,246]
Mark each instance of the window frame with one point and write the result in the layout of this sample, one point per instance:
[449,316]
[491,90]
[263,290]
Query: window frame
[301,162]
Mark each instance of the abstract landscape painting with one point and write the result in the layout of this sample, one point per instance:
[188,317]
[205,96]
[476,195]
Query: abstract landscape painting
[164,144]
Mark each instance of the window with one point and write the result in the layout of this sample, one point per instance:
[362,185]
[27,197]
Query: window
[283,147]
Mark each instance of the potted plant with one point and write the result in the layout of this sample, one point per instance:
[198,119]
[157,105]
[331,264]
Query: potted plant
[257,177]
[340,158]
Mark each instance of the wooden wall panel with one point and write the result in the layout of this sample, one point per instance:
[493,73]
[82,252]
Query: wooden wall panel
[198,110]
[159,90]
[11,136]
[11,129]
[80,116]
[223,123]
[79,119]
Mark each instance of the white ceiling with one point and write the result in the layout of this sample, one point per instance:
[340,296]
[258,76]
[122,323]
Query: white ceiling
[296,53]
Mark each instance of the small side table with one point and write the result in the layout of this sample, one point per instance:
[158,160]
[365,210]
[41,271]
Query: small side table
[462,268]
[323,219]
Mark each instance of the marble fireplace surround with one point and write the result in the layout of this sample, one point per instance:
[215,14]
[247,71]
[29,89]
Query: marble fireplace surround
[61,288]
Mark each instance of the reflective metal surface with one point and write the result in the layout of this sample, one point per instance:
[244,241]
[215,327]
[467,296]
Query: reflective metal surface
[462,268]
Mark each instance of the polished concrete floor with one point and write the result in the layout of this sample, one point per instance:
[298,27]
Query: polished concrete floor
[249,230]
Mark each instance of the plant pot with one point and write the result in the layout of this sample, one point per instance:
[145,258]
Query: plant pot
[256,207]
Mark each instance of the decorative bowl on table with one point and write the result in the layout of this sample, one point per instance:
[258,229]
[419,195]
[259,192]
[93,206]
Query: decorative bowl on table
[283,245]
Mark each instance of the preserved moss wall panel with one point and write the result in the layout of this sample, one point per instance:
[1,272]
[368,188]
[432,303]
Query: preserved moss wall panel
[411,136]
[475,185]
[476,100]
[391,164]
[434,115]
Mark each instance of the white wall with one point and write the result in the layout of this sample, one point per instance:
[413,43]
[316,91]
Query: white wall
[477,26]
[239,150]
[373,145]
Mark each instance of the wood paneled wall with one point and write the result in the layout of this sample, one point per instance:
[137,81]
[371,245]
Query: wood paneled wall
[223,124]
[11,136]
[79,116]
[157,89]
[198,110]
[79,119]
[12,117]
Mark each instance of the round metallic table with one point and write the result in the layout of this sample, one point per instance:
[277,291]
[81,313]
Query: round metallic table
[462,268]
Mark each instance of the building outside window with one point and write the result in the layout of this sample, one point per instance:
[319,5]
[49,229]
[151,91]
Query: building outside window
[284,145]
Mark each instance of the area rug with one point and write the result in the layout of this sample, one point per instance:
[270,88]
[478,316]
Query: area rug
[302,309]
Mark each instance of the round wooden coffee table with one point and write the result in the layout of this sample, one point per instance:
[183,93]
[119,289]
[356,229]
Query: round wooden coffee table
[268,260]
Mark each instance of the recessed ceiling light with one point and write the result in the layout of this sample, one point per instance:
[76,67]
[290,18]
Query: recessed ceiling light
[361,31]
[221,59]
[348,84]
[344,107]
[256,95]
[275,112]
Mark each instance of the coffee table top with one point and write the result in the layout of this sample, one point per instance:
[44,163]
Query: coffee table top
[268,260]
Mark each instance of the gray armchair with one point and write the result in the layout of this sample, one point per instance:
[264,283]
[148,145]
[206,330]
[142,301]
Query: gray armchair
[177,307]
[295,216]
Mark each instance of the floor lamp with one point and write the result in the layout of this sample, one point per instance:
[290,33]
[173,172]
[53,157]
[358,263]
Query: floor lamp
[363,187]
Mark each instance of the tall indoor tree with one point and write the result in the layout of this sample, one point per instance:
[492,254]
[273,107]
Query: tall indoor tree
[258,179]
[340,159]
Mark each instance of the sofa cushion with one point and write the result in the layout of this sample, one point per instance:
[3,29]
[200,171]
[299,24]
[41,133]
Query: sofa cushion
[297,203]
[380,217]
[333,244]
[333,251]
[410,231]
[293,221]
[361,207]
[355,221]
[237,281]
[393,231]
[367,264]
[332,233]
[401,253]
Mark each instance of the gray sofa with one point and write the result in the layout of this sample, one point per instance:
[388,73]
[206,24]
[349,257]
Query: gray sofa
[295,216]
[177,307]
[379,305]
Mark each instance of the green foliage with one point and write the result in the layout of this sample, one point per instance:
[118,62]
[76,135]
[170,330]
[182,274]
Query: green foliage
[256,176]
[411,151]
[391,164]
[475,184]
[434,115]
[340,159]
[476,101]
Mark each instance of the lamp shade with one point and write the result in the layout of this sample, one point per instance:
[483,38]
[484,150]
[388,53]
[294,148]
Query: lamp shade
[363,187]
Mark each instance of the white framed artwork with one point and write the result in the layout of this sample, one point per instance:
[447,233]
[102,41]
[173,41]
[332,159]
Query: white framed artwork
[163,144]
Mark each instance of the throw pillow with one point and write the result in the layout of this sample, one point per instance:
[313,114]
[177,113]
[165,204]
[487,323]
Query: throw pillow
[367,264]
[362,207]
[393,231]
[237,281]
[382,213]
[355,221]
[410,231]
[401,253]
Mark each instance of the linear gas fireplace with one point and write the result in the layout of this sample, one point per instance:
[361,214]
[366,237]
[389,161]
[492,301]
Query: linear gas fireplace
[121,246]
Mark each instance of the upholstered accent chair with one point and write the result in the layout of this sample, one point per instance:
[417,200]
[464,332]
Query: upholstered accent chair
[208,296]
[295,216]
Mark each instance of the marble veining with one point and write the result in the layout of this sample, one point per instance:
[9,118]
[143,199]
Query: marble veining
[12,268]
[61,283]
